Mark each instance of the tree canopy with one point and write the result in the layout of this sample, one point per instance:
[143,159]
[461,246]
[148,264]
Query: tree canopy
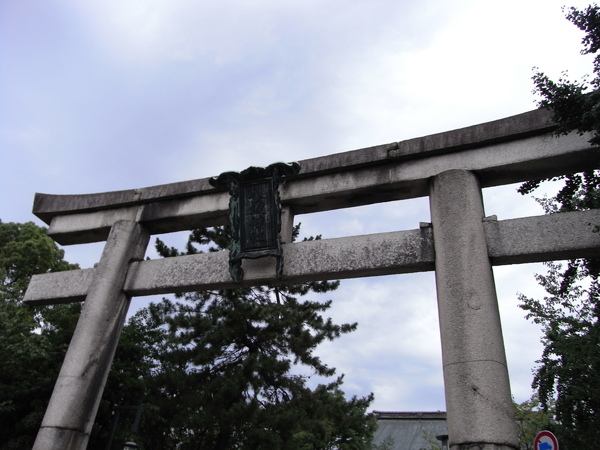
[532,418]
[568,373]
[216,369]
[237,367]
[32,342]
[25,250]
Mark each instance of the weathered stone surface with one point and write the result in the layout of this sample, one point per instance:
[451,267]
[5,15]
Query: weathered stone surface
[475,380]
[46,206]
[477,390]
[326,259]
[524,240]
[531,123]
[70,414]
[66,437]
[59,287]
[543,238]
[170,215]
[384,253]
[478,399]
[505,151]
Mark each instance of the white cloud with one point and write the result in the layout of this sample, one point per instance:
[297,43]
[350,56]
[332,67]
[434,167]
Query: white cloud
[106,95]
[397,338]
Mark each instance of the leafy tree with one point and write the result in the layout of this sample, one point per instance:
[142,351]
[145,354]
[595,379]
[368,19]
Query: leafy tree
[32,342]
[212,370]
[229,373]
[569,370]
[130,385]
[575,106]
[531,419]
[25,250]
[570,365]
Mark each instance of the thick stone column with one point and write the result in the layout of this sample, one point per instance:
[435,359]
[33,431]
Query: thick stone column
[478,399]
[70,415]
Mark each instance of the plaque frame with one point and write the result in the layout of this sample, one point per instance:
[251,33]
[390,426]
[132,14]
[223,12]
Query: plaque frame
[255,214]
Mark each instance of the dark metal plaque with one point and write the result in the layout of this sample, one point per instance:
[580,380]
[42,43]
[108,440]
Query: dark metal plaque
[258,214]
[254,213]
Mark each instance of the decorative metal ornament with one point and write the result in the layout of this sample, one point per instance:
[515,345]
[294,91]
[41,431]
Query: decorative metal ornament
[254,214]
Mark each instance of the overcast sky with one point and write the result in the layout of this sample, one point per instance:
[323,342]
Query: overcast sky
[104,95]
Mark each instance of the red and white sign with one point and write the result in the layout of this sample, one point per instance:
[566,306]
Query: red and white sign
[545,440]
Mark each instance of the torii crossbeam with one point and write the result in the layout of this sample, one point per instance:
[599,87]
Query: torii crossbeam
[461,245]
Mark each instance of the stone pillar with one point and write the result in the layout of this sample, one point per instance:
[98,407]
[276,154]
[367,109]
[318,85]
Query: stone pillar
[70,415]
[478,399]
[287,225]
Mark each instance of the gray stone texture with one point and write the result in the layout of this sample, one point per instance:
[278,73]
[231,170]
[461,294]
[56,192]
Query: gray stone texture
[500,152]
[478,399]
[461,247]
[70,415]
[523,240]
[532,123]
[543,238]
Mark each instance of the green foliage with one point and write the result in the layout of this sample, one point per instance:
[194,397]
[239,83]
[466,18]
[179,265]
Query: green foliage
[575,104]
[215,369]
[131,384]
[568,374]
[32,342]
[23,353]
[230,372]
[531,419]
[569,369]
[25,250]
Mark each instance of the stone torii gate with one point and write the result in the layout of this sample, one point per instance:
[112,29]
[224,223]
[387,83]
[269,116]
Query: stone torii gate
[461,245]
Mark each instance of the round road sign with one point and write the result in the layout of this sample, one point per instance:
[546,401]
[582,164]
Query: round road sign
[545,440]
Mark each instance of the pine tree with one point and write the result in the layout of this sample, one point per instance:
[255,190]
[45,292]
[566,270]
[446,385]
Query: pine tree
[233,369]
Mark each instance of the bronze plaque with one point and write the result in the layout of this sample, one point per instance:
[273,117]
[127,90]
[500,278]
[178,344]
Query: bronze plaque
[254,214]
[258,216]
